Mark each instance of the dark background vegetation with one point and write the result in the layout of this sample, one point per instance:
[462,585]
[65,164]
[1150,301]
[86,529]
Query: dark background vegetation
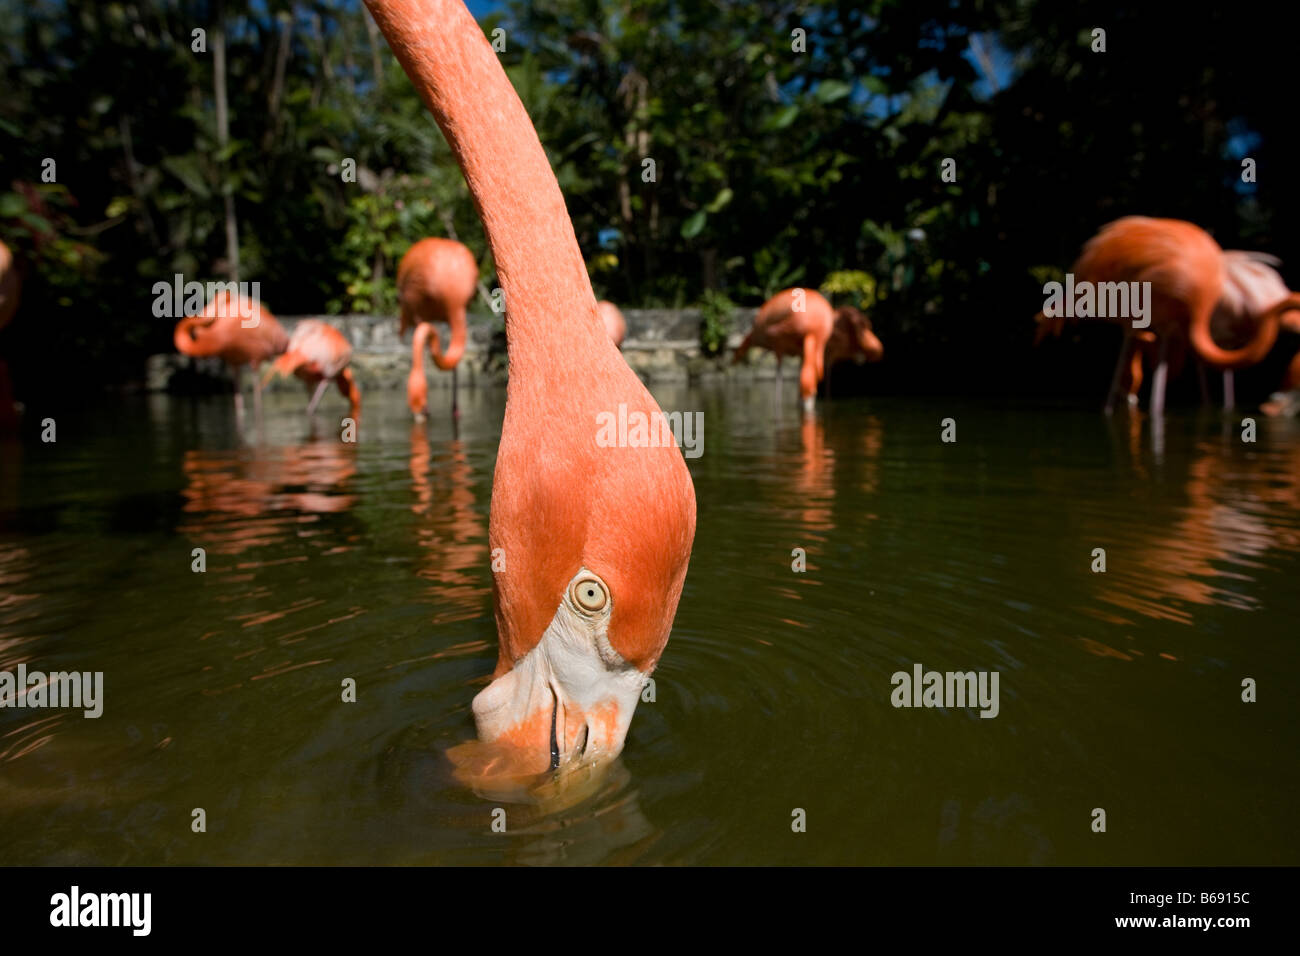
[774,169]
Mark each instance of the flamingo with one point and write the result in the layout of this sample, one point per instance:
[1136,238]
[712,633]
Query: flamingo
[1251,287]
[1188,272]
[11,285]
[319,354]
[593,542]
[787,330]
[436,281]
[615,325]
[221,331]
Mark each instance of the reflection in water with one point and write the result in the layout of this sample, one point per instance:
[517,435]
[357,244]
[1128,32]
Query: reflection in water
[330,562]
[247,498]
[814,480]
[1205,555]
[453,536]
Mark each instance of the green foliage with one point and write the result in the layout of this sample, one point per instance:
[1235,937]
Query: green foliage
[859,287]
[717,315]
[381,226]
[770,168]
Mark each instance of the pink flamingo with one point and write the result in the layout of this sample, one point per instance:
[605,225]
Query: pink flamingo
[319,354]
[224,331]
[436,282]
[794,322]
[593,540]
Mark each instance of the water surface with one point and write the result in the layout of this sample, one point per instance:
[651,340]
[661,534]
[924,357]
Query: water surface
[326,561]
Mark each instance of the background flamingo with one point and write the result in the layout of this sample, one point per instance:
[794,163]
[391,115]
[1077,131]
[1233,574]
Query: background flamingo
[595,539]
[783,330]
[436,282]
[221,331]
[1188,273]
[319,354]
[1251,286]
[615,325]
[11,285]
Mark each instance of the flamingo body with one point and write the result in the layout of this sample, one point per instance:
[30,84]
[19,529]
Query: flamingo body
[784,328]
[1188,273]
[318,353]
[223,331]
[436,282]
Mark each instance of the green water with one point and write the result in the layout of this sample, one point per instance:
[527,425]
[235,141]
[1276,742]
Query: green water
[1118,690]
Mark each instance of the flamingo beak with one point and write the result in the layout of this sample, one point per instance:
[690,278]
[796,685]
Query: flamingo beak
[567,703]
[872,350]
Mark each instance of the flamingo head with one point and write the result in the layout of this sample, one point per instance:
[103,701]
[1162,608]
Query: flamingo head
[417,393]
[854,336]
[590,538]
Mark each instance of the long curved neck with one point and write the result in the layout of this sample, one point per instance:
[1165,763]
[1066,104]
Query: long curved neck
[548,295]
[419,341]
[456,348]
[1250,353]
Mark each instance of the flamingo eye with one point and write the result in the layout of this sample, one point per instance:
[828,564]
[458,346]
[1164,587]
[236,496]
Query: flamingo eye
[590,594]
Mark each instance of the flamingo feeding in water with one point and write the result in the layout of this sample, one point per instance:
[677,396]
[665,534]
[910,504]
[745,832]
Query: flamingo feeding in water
[241,332]
[436,282]
[1189,275]
[794,322]
[319,354]
[1251,287]
[819,333]
[11,285]
[615,325]
[590,543]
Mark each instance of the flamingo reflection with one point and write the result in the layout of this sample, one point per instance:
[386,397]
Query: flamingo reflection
[246,498]
[454,543]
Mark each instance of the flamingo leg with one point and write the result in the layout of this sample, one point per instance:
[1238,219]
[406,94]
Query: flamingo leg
[1229,390]
[1135,375]
[1121,367]
[239,395]
[1159,378]
[315,399]
[455,405]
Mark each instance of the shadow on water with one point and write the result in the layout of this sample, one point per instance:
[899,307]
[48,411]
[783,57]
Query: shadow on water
[831,553]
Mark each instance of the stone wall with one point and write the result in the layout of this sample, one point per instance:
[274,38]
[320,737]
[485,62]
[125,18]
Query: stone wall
[662,345]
